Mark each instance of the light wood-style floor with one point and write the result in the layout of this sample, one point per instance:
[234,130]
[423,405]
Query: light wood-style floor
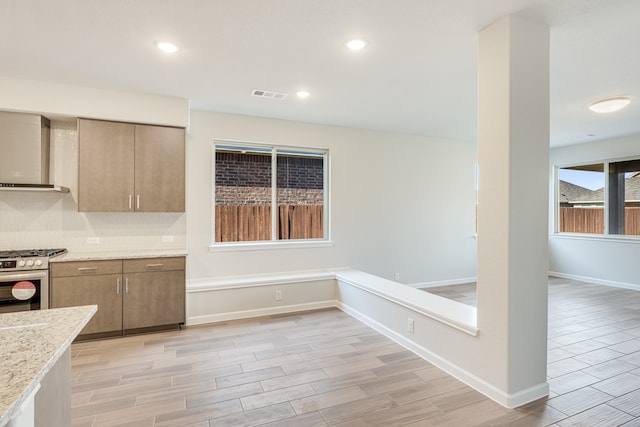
[325,368]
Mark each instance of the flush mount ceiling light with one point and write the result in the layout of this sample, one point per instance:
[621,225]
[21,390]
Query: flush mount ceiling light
[355,44]
[609,105]
[303,94]
[167,47]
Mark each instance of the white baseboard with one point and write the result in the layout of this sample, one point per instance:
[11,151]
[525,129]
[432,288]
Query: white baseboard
[443,283]
[595,280]
[527,396]
[261,312]
[508,400]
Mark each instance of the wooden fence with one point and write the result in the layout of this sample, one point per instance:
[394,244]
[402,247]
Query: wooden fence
[252,223]
[300,222]
[591,220]
[632,221]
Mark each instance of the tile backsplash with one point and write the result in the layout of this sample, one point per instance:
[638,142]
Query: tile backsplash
[48,220]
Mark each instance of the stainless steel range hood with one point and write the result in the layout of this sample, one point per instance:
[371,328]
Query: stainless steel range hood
[25,153]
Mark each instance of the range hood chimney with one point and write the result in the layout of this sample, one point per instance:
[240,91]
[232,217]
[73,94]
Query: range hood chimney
[25,153]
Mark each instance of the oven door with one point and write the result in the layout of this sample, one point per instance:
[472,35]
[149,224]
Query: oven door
[24,290]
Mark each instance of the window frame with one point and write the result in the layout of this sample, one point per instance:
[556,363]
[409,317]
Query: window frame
[606,236]
[274,243]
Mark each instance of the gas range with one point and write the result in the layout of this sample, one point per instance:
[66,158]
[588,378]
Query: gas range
[28,259]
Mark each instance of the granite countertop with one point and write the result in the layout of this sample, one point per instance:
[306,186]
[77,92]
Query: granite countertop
[105,255]
[31,342]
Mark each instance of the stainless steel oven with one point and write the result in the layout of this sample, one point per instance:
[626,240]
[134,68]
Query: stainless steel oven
[21,291]
[24,279]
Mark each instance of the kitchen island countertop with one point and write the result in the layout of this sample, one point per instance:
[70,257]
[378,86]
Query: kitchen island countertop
[32,342]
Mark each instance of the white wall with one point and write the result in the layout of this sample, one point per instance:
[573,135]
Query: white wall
[599,259]
[75,101]
[399,203]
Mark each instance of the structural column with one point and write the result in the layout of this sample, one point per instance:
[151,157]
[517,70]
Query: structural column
[513,162]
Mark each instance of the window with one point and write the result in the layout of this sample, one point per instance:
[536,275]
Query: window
[623,199]
[581,199]
[600,198]
[269,193]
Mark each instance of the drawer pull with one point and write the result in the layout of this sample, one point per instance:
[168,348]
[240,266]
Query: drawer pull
[87,269]
[154,265]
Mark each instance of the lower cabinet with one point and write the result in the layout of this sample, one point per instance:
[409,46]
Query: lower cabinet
[130,294]
[86,283]
[101,290]
[154,292]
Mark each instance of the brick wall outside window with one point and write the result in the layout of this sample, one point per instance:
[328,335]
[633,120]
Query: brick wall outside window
[245,179]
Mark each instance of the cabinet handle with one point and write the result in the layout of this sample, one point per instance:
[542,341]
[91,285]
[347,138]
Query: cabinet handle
[126,285]
[118,286]
[137,201]
[87,269]
[154,265]
[130,198]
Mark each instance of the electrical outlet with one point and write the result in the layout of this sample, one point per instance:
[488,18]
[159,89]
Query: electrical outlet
[167,239]
[278,295]
[93,240]
[396,276]
[410,325]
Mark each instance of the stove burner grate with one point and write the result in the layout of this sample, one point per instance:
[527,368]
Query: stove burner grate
[28,253]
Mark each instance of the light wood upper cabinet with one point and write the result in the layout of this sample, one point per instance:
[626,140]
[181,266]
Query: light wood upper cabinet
[159,169]
[105,166]
[125,167]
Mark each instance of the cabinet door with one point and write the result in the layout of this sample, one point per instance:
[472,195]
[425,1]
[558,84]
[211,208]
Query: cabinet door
[105,166]
[154,299]
[103,290]
[159,169]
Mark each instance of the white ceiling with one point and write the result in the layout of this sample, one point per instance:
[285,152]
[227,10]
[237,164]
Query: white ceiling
[417,75]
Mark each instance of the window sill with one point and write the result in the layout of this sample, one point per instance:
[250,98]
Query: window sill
[259,246]
[597,237]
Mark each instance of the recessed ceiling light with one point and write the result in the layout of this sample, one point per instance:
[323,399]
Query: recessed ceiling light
[609,105]
[303,94]
[355,44]
[167,47]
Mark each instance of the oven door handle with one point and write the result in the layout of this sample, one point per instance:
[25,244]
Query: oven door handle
[23,275]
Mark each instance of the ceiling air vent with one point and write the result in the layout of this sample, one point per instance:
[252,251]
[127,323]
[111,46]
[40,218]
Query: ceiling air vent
[268,94]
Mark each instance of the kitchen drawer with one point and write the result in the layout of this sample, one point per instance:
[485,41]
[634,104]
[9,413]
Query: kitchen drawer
[85,268]
[153,264]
